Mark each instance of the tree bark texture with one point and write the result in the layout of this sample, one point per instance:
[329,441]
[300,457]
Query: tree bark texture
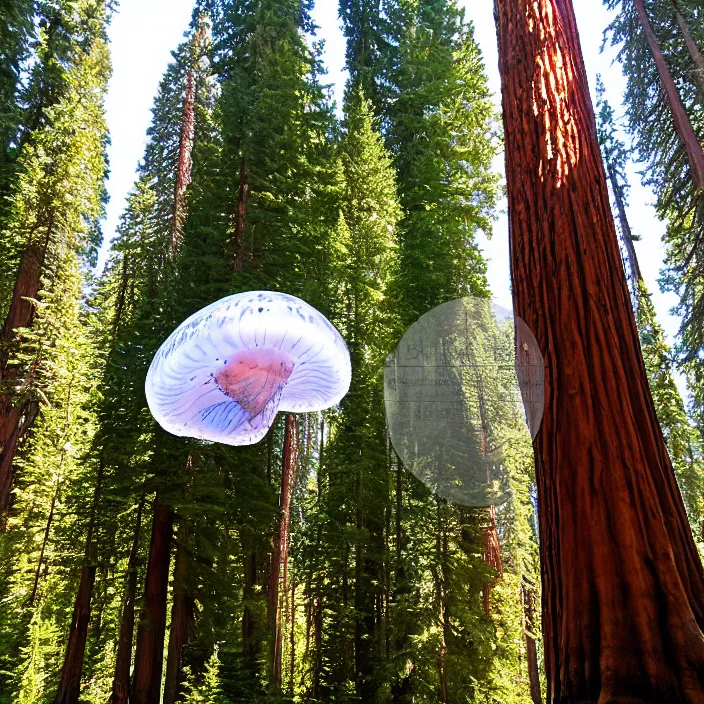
[531,645]
[683,126]
[241,215]
[148,661]
[622,580]
[70,683]
[279,557]
[185,163]
[182,617]
[123,658]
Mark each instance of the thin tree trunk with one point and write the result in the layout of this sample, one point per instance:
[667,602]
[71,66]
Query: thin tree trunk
[250,642]
[441,573]
[292,641]
[492,556]
[531,646]
[70,683]
[45,540]
[623,586]
[626,232]
[123,657]
[182,617]
[281,539]
[683,126]
[241,215]
[693,49]
[185,163]
[148,660]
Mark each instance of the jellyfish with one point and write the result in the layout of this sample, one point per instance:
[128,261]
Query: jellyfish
[224,373]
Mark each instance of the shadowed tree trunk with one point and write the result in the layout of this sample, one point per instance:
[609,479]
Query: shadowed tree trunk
[241,215]
[531,645]
[622,581]
[626,232]
[72,670]
[182,617]
[281,540]
[123,657]
[148,660]
[683,126]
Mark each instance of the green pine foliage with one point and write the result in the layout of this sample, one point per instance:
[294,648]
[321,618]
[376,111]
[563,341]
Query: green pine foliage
[681,436]
[666,169]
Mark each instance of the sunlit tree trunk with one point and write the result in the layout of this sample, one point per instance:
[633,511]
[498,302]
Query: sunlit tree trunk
[14,415]
[148,659]
[622,581]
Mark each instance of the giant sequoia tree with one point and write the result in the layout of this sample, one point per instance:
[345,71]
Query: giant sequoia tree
[622,580]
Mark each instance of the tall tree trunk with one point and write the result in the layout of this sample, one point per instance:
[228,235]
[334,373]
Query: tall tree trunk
[185,163]
[281,541]
[19,315]
[623,585]
[683,126]
[70,683]
[626,232]
[491,555]
[148,660]
[693,49]
[123,658]
[182,617]
[241,215]
[531,645]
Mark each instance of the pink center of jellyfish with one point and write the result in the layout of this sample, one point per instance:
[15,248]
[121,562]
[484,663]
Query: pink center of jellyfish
[253,377]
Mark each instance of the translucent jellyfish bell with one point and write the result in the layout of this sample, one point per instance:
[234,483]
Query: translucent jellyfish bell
[224,373]
[464,396]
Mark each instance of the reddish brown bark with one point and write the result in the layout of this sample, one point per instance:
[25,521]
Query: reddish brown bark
[123,658]
[683,126]
[19,315]
[185,163]
[279,556]
[182,618]
[531,645]
[240,218]
[70,683]
[622,581]
[148,661]
[7,456]
[492,556]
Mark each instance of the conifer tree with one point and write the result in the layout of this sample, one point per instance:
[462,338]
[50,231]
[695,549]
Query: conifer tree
[680,436]
[57,196]
[610,459]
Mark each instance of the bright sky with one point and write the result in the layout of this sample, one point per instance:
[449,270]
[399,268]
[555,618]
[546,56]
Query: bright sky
[144,32]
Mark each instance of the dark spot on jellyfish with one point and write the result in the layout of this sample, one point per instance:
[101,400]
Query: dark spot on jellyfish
[261,309]
[192,378]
